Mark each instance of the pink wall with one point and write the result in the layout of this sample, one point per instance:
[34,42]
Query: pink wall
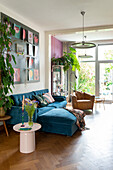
[56,48]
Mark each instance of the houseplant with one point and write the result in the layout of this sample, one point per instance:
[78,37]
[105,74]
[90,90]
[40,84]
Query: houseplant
[68,60]
[6,69]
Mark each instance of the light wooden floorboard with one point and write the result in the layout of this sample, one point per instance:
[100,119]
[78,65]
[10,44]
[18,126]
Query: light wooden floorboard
[87,150]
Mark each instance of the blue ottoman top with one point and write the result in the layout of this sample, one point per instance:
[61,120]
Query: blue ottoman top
[58,115]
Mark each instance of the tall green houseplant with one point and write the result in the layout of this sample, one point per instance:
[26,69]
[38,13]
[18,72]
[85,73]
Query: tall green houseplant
[6,69]
[71,60]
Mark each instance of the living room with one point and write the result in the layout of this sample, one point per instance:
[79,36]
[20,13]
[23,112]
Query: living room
[62,20]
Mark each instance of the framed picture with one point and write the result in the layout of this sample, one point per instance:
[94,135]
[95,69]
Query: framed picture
[30,49]
[17,30]
[36,39]
[19,48]
[31,74]
[24,34]
[16,74]
[30,37]
[31,62]
[36,51]
[36,74]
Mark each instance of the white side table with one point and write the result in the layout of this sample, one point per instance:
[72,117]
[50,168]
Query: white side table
[27,137]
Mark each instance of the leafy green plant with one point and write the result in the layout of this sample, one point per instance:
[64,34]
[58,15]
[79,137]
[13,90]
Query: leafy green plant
[68,60]
[6,69]
[71,60]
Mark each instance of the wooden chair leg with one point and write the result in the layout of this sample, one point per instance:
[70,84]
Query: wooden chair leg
[5,128]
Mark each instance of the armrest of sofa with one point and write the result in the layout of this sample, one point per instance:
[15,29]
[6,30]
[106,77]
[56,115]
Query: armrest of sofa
[92,98]
[59,98]
[74,101]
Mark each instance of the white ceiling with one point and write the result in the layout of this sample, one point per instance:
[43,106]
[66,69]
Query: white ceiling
[63,14]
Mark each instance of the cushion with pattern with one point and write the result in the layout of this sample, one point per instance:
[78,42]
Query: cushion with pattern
[48,97]
[42,102]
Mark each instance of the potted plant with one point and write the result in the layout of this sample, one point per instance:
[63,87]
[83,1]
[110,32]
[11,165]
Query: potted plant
[6,69]
[68,60]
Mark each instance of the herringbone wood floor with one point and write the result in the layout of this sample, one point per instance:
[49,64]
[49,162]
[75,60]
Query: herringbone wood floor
[87,150]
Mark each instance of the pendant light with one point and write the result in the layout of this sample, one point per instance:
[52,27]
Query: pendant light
[83,44]
[85,55]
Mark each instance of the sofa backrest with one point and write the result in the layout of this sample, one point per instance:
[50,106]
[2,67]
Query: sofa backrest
[41,91]
[80,95]
[17,98]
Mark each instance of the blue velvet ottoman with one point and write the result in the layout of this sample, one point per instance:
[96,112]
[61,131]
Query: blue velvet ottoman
[58,121]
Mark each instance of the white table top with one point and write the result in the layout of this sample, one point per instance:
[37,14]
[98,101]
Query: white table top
[36,126]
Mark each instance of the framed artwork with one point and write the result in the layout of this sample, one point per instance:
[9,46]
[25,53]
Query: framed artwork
[31,63]
[19,48]
[17,30]
[31,74]
[30,49]
[27,62]
[36,39]
[16,74]
[36,74]
[24,34]
[30,37]
[25,48]
[36,51]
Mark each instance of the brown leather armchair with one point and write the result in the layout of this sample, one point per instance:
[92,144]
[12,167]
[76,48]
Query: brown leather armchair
[82,101]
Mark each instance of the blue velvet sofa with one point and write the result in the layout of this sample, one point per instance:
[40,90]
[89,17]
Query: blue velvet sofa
[16,110]
[53,117]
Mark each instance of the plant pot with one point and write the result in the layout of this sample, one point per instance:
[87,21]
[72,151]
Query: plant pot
[2,112]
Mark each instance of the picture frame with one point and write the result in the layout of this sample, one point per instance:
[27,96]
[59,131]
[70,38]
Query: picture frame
[19,49]
[16,74]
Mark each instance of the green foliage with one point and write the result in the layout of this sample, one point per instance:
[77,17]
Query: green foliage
[6,69]
[86,79]
[71,60]
[68,60]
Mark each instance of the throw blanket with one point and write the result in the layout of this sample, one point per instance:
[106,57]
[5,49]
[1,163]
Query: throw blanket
[80,117]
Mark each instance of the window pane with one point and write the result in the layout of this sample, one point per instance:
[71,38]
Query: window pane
[106,80]
[86,79]
[105,52]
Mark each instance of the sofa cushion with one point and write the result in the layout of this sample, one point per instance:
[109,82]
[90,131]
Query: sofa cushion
[42,110]
[48,98]
[58,104]
[59,115]
[84,101]
[41,101]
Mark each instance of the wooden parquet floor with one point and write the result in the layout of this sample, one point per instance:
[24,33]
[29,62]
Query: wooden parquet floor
[87,150]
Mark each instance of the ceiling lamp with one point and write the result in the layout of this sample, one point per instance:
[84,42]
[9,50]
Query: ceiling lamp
[85,56]
[83,44]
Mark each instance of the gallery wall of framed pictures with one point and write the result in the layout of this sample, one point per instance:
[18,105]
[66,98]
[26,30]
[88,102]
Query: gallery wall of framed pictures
[25,48]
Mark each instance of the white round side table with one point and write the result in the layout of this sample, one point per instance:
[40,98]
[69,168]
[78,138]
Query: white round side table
[27,137]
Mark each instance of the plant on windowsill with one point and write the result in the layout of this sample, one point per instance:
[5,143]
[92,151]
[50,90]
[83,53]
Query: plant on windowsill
[6,69]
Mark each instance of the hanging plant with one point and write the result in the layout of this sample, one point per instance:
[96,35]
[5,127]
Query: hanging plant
[70,60]
[6,69]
